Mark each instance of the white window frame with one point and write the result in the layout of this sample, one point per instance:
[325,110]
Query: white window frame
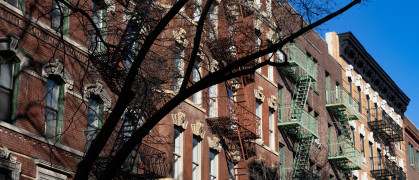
[196,76]
[8,88]
[272,130]
[44,173]
[258,43]
[258,110]
[178,156]
[99,22]
[213,104]
[52,105]
[179,68]
[196,159]
[213,172]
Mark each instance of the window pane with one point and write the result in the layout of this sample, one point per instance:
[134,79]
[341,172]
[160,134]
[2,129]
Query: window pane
[52,94]
[195,150]
[177,141]
[6,75]
[5,99]
[93,112]
[12,2]
[51,122]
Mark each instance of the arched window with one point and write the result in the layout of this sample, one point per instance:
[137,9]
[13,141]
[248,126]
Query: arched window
[9,79]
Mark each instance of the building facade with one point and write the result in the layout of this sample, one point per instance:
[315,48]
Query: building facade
[317,117]
[411,145]
[377,132]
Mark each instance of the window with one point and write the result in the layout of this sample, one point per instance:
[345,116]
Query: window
[197,11]
[371,156]
[54,108]
[231,175]
[315,86]
[5,174]
[270,68]
[213,105]
[411,155]
[99,19]
[359,100]
[271,130]
[213,166]
[20,4]
[361,141]
[279,55]
[47,174]
[259,114]
[327,82]
[196,150]
[281,155]
[376,111]
[177,153]
[9,78]
[330,134]
[178,69]
[417,158]
[350,88]
[212,22]
[258,44]
[94,119]
[269,8]
[280,100]
[197,97]
[368,109]
[59,17]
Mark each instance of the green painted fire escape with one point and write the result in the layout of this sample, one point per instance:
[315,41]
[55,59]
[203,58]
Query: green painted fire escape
[343,153]
[295,120]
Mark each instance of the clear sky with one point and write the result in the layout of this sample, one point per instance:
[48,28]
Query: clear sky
[389,31]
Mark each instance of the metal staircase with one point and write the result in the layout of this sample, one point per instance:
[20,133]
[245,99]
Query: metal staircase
[343,153]
[295,120]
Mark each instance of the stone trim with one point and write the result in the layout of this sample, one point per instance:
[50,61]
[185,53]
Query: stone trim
[57,68]
[98,90]
[9,162]
[259,94]
[272,103]
[198,129]
[179,119]
[11,43]
[54,167]
[214,143]
[180,37]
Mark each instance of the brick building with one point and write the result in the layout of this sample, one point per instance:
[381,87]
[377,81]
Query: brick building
[377,132]
[412,148]
[283,122]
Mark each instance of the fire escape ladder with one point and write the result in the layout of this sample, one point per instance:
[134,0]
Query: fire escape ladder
[301,92]
[302,159]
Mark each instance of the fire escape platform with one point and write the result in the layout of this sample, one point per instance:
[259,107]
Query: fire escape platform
[344,155]
[292,118]
[228,128]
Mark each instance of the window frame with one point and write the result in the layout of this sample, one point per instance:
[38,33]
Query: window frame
[13,90]
[213,165]
[272,129]
[58,82]
[99,112]
[99,14]
[196,159]
[63,15]
[177,153]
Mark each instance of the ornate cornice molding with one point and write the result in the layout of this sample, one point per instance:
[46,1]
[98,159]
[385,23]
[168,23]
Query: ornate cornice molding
[354,54]
[198,129]
[272,103]
[57,68]
[259,94]
[98,90]
[179,119]
[214,143]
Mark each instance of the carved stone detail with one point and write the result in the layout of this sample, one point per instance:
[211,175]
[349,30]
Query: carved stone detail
[367,89]
[349,72]
[198,129]
[214,143]
[180,37]
[9,162]
[272,102]
[57,69]
[179,119]
[259,94]
[11,43]
[258,25]
[213,65]
[97,89]
[358,82]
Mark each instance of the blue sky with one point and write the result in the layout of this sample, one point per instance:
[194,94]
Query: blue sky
[389,32]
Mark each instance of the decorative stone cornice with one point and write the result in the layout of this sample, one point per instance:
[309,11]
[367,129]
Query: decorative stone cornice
[9,162]
[270,35]
[213,65]
[198,129]
[272,103]
[11,43]
[97,89]
[367,89]
[375,98]
[179,119]
[180,37]
[57,69]
[259,94]
[363,64]
[258,25]
[358,81]
[348,71]
[214,143]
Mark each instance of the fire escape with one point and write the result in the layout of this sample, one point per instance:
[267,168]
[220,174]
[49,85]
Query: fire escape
[236,125]
[389,132]
[342,152]
[145,161]
[295,120]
